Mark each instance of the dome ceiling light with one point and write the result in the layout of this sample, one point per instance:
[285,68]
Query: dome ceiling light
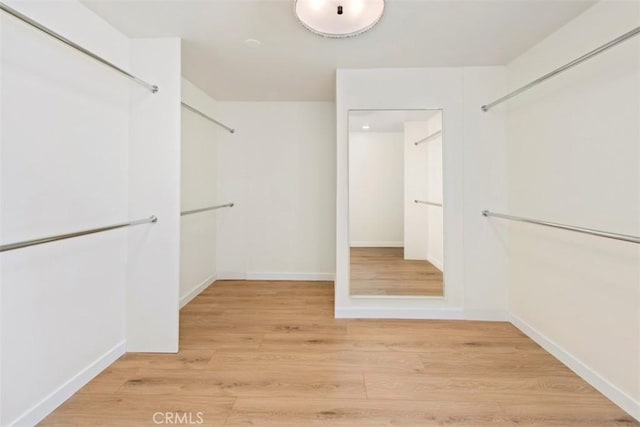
[339,18]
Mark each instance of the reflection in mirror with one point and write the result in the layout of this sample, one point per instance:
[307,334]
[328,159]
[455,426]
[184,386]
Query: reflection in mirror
[395,202]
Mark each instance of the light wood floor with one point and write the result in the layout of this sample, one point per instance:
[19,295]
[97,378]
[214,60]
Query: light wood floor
[384,271]
[271,354]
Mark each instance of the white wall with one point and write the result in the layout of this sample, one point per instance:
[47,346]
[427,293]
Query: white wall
[574,158]
[83,147]
[279,169]
[435,222]
[475,177]
[64,161]
[153,273]
[376,189]
[198,190]
[416,217]
[424,232]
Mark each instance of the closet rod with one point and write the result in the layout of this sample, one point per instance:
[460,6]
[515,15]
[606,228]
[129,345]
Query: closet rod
[37,25]
[211,119]
[590,231]
[12,246]
[428,203]
[210,208]
[565,67]
[433,135]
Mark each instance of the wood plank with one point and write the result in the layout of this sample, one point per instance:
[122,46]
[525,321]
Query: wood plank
[350,361]
[191,339]
[247,358]
[362,413]
[566,413]
[384,271]
[138,410]
[451,386]
[185,359]
[111,379]
[284,381]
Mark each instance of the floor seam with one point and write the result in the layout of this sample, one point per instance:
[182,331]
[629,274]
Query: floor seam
[364,383]
[235,400]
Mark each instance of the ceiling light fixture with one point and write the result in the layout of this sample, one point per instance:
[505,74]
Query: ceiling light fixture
[366,127]
[339,18]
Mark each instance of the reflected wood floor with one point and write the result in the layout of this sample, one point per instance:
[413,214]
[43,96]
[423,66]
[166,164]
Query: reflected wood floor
[271,354]
[384,271]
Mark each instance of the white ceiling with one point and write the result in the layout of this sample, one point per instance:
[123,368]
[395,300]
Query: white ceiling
[386,120]
[295,65]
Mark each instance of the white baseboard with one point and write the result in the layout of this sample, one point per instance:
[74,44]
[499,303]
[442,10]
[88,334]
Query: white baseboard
[47,405]
[316,277]
[398,313]
[185,299]
[303,277]
[486,315]
[436,262]
[231,275]
[617,396]
[376,244]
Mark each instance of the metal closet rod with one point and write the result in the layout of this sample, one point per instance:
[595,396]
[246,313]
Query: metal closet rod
[428,203]
[428,138]
[590,231]
[211,119]
[210,208]
[50,32]
[565,67]
[26,243]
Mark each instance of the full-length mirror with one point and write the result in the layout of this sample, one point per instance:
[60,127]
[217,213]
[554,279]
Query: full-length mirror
[395,202]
